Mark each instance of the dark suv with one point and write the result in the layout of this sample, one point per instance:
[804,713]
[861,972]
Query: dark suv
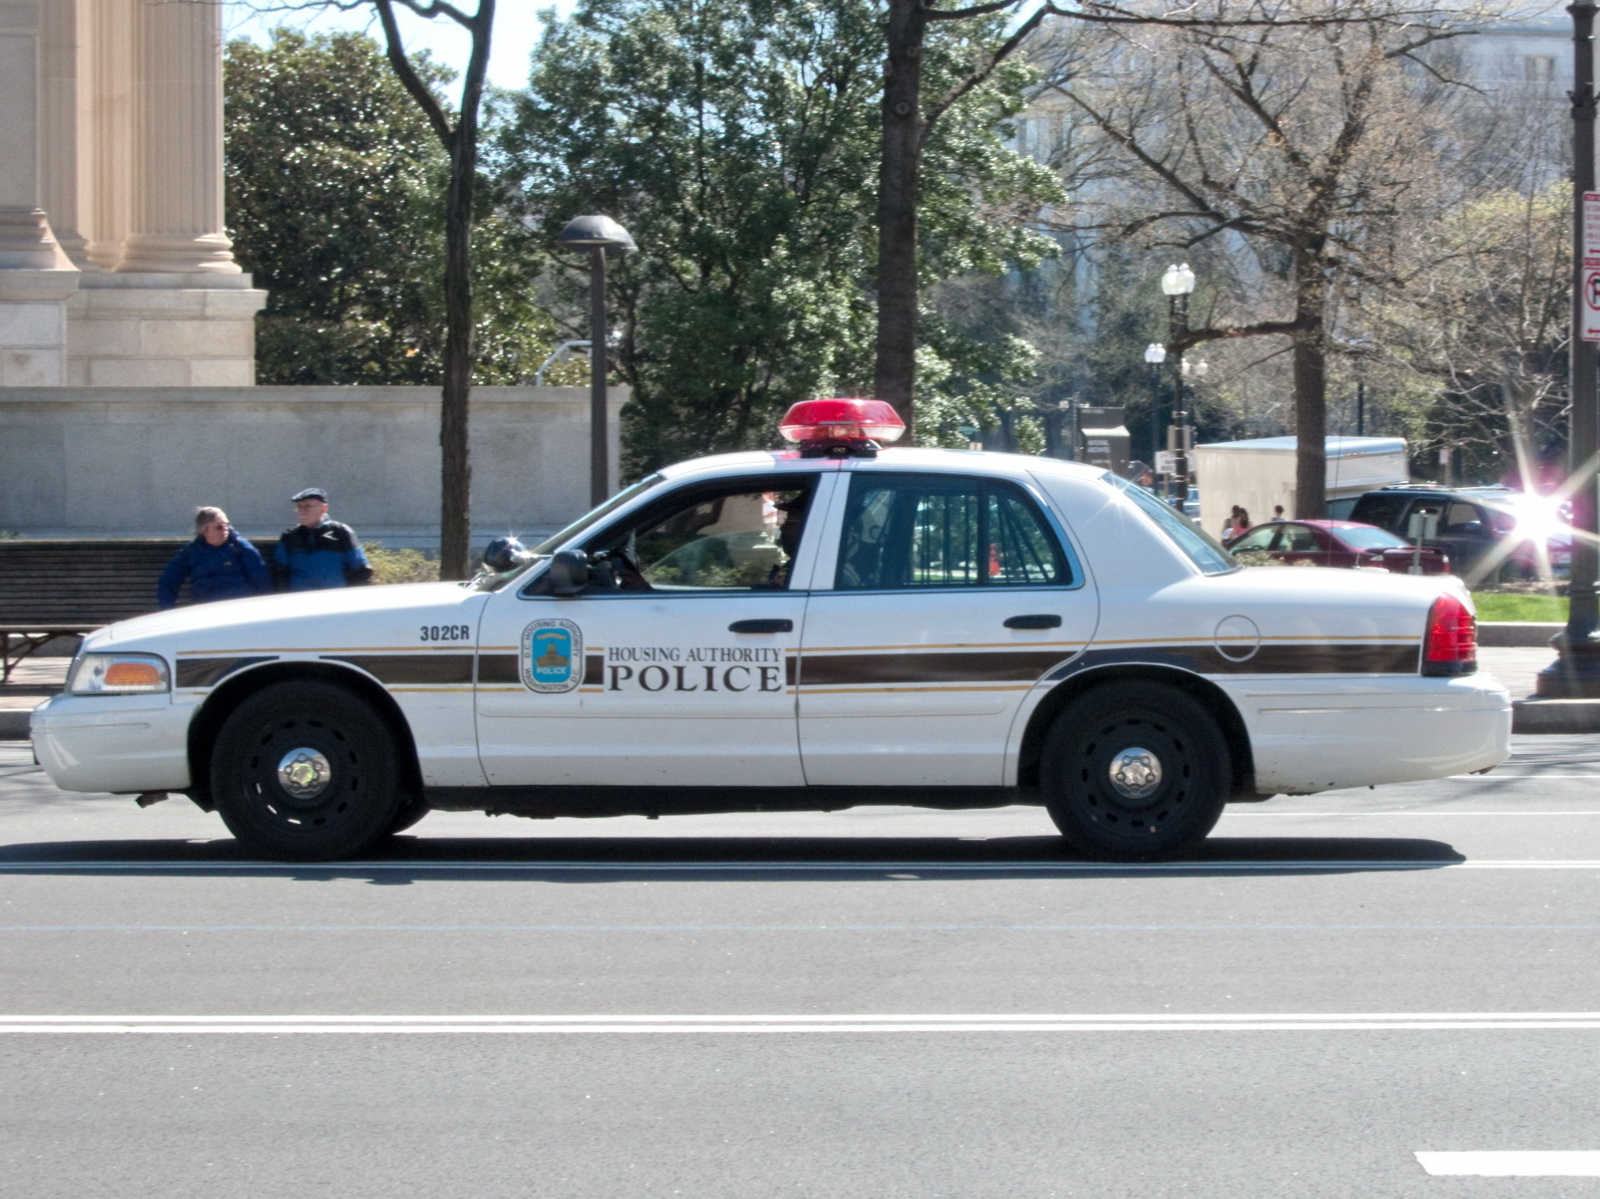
[1489,532]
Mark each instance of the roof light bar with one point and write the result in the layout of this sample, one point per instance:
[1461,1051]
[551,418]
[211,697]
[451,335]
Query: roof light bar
[841,428]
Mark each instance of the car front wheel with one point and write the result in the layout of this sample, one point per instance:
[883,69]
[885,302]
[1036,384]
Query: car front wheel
[306,771]
[1135,770]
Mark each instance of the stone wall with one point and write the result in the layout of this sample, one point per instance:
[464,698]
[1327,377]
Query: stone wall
[136,461]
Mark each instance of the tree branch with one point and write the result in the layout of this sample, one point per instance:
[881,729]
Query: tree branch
[439,9]
[395,48]
[985,67]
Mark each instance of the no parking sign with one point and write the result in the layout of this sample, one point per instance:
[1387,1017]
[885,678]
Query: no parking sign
[1589,307]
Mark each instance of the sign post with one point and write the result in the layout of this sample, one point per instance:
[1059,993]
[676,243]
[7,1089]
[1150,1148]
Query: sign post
[1575,674]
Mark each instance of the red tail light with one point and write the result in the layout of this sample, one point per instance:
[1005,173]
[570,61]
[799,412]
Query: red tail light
[1450,646]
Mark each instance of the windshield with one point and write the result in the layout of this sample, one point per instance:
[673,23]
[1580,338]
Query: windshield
[1365,537]
[549,544]
[1196,545]
[491,580]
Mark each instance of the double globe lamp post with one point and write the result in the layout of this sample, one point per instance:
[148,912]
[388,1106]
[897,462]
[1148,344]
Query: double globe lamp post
[1178,284]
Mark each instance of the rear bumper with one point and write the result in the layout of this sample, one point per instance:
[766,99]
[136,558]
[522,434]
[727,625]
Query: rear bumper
[1311,735]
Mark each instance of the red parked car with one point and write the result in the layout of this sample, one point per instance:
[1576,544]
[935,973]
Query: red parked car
[1339,543]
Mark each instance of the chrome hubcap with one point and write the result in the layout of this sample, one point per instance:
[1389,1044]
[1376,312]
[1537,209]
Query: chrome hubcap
[1135,773]
[304,773]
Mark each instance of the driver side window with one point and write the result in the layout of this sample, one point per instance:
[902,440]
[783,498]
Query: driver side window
[734,538]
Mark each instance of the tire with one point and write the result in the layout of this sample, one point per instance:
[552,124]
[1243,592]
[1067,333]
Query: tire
[1168,797]
[306,772]
[411,811]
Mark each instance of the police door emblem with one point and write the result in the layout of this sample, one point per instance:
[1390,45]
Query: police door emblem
[552,656]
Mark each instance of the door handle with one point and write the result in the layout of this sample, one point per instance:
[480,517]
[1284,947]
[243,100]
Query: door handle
[761,626]
[1044,620]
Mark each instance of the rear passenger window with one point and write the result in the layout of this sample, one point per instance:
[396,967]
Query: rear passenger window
[1299,539]
[1385,511]
[908,531]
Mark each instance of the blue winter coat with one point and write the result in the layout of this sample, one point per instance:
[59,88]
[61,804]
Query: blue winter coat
[231,570]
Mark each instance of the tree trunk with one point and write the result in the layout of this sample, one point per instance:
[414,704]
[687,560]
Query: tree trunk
[903,129]
[1310,381]
[455,482]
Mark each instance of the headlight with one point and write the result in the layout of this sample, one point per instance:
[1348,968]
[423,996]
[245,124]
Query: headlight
[119,674]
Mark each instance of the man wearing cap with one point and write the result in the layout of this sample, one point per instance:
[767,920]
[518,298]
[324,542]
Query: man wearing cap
[318,553]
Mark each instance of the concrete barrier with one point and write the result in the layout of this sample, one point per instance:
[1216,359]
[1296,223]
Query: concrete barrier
[135,462]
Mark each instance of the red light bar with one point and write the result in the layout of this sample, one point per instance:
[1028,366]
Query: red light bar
[841,421]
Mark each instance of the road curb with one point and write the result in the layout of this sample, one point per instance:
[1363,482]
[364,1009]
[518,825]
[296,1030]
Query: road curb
[1555,716]
[1529,633]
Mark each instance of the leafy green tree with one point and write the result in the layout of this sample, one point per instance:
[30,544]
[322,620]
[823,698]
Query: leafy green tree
[737,140]
[334,184]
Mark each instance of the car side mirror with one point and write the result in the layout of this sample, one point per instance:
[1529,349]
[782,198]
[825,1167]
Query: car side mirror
[568,573]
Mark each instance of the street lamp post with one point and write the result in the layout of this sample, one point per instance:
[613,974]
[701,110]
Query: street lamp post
[597,234]
[1178,283]
[1575,674]
[1154,355]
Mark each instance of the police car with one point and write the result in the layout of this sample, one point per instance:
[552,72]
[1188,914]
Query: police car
[807,629]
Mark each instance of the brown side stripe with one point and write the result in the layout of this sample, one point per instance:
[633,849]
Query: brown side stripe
[208,672]
[1269,659]
[411,668]
[498,668]
[1006,666]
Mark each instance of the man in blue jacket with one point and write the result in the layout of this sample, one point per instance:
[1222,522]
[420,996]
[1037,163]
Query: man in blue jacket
[318,553]
[218,563]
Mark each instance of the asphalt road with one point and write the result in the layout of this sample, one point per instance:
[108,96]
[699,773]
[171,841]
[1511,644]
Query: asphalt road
[872,1003]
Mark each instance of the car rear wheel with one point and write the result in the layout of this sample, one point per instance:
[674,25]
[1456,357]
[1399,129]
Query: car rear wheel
[306,772]
[1134,771]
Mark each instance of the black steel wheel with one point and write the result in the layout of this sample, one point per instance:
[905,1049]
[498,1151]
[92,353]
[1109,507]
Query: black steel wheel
[306,771]
[1135,770]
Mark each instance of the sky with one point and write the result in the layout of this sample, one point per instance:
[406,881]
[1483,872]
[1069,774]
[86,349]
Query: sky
[516,29]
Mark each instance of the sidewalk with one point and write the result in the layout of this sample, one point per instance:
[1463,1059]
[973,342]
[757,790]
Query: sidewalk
[1514,665]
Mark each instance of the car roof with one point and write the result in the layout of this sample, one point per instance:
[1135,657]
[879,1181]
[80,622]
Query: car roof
[982,462]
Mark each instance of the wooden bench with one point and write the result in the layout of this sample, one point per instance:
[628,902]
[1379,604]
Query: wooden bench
[52,588]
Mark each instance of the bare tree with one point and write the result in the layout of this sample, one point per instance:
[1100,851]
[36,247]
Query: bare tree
[460,141]
[457,132]
[1292,150]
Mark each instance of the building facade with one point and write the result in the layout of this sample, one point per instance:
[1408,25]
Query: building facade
[115,269]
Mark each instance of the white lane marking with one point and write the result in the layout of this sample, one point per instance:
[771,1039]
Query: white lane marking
[1515,1163]
[47,866]
[461,1025]
[1379,814]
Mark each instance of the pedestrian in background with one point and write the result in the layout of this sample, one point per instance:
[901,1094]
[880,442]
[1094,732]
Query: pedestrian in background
[1238,522]
[218,564]
[1277,512]
[316,553]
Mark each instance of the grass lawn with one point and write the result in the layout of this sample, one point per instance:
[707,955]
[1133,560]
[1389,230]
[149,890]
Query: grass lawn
[1497,605]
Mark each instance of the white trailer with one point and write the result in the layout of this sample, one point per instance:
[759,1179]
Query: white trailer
[1260,473]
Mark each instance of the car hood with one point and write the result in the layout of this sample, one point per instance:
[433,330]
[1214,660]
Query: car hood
[342,605]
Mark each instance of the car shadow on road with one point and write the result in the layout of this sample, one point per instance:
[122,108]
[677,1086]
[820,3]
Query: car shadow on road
[605,859]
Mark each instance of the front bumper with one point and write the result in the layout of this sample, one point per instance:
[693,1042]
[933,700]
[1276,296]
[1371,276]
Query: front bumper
[120,743]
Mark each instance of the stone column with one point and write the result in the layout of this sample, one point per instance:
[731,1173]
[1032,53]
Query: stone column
[36,278]
[176,218]
[64,127]
[25,238]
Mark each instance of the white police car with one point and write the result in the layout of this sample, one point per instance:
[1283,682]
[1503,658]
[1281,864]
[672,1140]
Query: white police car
[807,629]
